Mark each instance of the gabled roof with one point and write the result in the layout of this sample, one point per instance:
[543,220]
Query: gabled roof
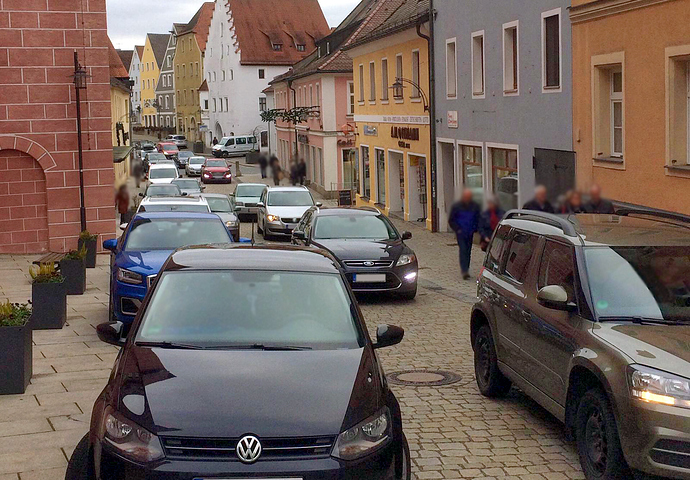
[204,86]
[394,16]
[159,44]
[140,50]
[126,57]
[261,24]
[117,68]
[199,25]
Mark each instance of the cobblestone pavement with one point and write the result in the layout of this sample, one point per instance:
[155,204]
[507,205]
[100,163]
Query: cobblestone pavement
[453,431]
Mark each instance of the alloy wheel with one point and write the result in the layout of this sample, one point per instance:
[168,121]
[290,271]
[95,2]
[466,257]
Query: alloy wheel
[597,445]
[483,368]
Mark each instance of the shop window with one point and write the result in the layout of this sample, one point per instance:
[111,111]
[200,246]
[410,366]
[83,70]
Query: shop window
[366,169]
[473,171]
[504,171]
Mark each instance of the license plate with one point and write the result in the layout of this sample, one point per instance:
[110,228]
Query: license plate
[370,278]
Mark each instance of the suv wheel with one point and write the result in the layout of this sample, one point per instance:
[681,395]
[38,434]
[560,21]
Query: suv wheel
[490,380]
[598,444]
[78,466]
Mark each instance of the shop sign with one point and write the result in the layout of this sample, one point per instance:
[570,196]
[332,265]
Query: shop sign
[371,131]
[452,119]
[405,133]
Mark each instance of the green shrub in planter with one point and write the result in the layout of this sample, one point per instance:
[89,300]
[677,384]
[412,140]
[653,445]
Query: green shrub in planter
[48,298]
[73,268]
[91,242]
[15,348]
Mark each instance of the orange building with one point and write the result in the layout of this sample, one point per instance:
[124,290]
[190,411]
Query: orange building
[631,99]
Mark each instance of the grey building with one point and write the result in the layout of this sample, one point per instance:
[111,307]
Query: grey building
[503,99]
[165,88]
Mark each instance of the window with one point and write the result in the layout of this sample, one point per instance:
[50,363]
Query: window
[494,258]
[277,47]
[473,171]
[384,79]
[361,83]
[504,179]
[616,113]
[367,171]
[478,64]
[164,80]
[196,69]
[558,268]
[170,80]
[311,96]
[262,104]
[608,100]
[510,58]
[167,102]
[678,108]
[551,49]
[301,47]
[227,105]
[262,73]
[351,98]
[318,95]
[184,70]
[205,104]
[232,75]
[519,255]
[398,92]
[214,76]
[451,69]
[372,82]
[416,92]
[169,59]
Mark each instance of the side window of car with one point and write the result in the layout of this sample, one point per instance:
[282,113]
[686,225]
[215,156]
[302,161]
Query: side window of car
[230,142]
[241,141]
[558,267]
[495,255]
[520,253]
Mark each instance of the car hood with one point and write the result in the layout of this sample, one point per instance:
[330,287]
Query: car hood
[289,212]
[226,394]
[216,169]
[658,346]
[227,216]
[363,249]
[143,262]
[197,166]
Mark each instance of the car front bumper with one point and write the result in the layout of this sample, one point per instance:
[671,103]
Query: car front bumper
[398,279]
[193,171]
[214,179]
[247,210]
[127,300]
[280,229]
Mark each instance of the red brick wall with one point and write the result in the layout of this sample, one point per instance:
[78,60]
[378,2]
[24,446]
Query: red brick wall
[38,116]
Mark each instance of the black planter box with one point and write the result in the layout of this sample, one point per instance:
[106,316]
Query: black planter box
[74,272]
[49,302]
[91,246]
[15,359]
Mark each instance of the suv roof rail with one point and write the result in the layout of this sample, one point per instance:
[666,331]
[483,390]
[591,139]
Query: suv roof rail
[543,217]
[626,212]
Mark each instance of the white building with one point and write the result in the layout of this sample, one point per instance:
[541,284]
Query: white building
[135,74]
[165,88]
[251,42]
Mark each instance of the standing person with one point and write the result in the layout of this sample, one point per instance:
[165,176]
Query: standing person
[488,221]
[263,163]
[540,202]
[294,172]
[573,203]
[275,170]
[302,171]
[138,171]
[464,220]
[214,142]
[597,204]
[122,200]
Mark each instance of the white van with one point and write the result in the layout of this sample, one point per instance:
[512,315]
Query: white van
[239,145]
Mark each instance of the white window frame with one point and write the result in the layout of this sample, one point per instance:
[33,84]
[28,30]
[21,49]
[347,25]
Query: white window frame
[452,93]
[687,111]
[384,81]
[614,99]
[477,94]
[416,92]
[361,84]
[551,13]
[372,83]
[514,73]
[351,98]
[399,73]
[318,94]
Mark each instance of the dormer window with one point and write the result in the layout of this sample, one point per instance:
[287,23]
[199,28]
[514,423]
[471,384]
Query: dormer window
[328,48]
[301,47]
[319,54]
[277,47]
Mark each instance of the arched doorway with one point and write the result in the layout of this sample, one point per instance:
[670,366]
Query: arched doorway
[23,204]
[219,131]
[192,129]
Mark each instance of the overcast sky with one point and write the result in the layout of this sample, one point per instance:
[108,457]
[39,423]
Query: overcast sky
[130,20]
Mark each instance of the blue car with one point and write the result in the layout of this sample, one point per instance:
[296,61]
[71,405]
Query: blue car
[143,248]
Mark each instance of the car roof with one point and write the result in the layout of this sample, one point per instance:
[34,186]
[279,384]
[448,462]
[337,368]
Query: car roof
[346,211]
[288,189]
[211,195]
[176,215]
[247,257]
[159,166]
[174,200]
[263,185]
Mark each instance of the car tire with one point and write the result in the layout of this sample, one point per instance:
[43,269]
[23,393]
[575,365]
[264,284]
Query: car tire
[491,382]
[78,466]
[596,436]
[226,155]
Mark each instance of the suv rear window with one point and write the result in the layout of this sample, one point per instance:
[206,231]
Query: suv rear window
[520,254]
[495,255]
[558,268]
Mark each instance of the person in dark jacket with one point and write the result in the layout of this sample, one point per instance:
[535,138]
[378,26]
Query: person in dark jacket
[488,221]
[464,220]
[540,202]
[573,203]
[263,164]
[276,171]
[597,204]
[302,171]
[294,172]
[215,141]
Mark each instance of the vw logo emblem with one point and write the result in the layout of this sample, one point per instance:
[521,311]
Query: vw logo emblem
[369,264]
[248,449]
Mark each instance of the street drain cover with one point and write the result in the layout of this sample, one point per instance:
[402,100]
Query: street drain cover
[423,378]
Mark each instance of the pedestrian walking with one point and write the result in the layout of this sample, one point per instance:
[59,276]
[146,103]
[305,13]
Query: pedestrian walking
[214,142]
[302,171]
[276,172]
[464,221]
[540,202]
[488,221]
[294,172]
[138,172]
[122,200]
[597,204]
[263,164]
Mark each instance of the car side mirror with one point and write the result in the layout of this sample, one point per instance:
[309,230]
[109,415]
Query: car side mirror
[123,226]
[141,194]
[555,297]
[111,333]
[319,204]
[299,235]
[110,244]
[184,194]
[388,335]
[406,235]
[260,205]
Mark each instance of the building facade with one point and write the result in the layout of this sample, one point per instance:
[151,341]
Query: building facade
[135,75]
[632,98]
[120,117]
[189,71]
[165,90]
[503,100]
[152,61]
[393,125]
[250,43]
[39,175]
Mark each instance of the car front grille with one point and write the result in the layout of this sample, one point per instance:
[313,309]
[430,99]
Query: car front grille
[224,449]
[671,452]
[290,220]
[368,263]
[250,204]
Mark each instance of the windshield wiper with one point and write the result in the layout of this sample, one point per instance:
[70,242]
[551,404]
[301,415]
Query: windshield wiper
[259,346]
[639,320]
[172,345]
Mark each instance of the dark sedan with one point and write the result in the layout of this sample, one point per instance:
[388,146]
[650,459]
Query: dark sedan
[235,385]
[216,171]
[369,248]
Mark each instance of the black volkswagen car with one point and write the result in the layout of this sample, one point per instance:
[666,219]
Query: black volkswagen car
[371,251]
[269,373]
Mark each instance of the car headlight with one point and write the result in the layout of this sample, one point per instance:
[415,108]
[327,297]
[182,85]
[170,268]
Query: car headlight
[232,224]
[273,218]
[128,276]
[654,386]
[364,438]
[239,204]
[129,439]
[406,259]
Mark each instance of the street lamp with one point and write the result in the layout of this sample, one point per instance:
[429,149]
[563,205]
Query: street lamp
[398,86]
[80,77]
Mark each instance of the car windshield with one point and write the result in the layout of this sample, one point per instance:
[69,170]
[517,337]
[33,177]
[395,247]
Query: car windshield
[291,198]
[157,157]
[645,282]
[171,207]
[158,173]
[219,204]
[170,148]
[197,160]
[223,140]
[187,184]
[236,308]
[163,191]
[370,227]
[216,163]
[179,137]
[148,148]
[185,154]
[173,233]
[249,190]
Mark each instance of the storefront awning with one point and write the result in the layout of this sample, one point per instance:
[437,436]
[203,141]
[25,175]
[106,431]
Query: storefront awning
[121,153]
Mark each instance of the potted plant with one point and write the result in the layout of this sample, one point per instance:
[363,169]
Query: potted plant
[15,348]
[73,268]
[48,297]
[91,242]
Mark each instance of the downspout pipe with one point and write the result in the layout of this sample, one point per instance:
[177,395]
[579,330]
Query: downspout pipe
[432,115]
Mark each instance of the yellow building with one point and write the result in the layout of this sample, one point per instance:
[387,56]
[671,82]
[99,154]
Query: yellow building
[120,116]
[150,68]
[189,70]
[391,92]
